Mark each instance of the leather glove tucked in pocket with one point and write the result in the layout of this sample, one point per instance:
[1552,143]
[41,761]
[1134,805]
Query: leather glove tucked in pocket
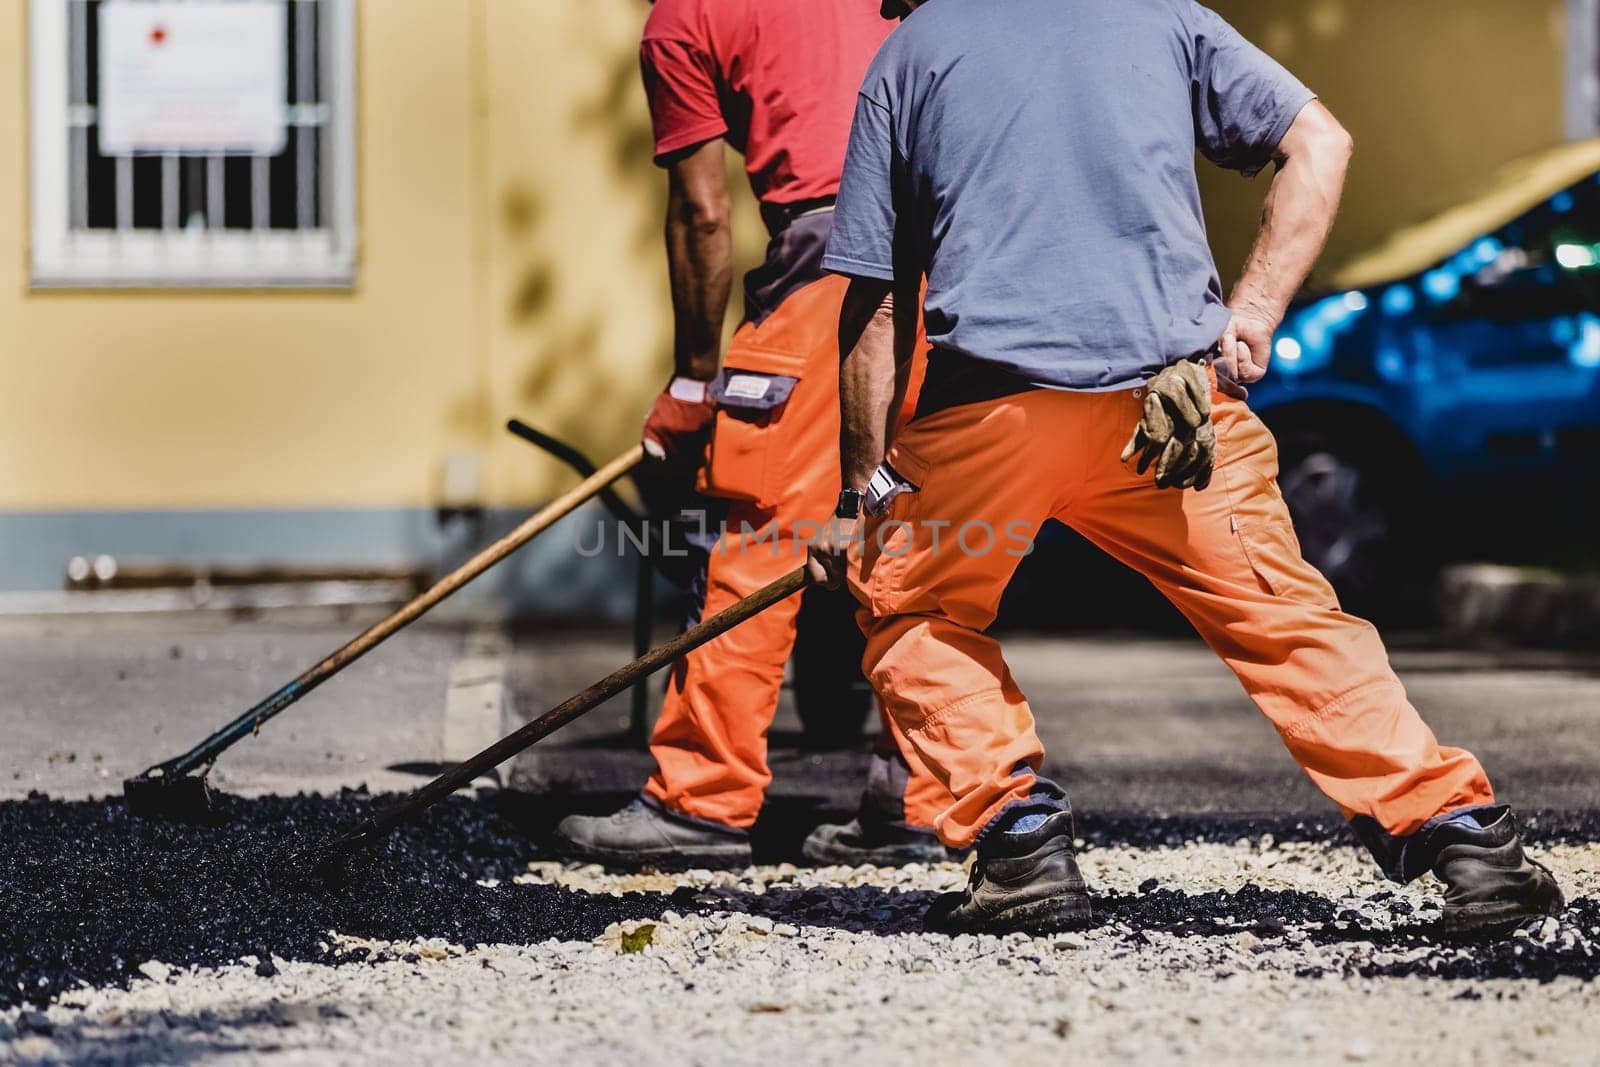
[679,423]
[675,437]
[1175,431]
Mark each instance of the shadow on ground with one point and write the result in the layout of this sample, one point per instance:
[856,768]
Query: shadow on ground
[181,1037]
[88,893]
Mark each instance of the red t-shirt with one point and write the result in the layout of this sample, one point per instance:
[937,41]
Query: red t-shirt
[777,78]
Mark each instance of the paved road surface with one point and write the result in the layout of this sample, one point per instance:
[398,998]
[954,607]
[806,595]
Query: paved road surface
[1217,949]
[1129,722]
[1153,724]
[88,701]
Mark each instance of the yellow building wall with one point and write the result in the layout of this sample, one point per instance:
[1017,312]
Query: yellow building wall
[511,260]
[168,399]
[579,309]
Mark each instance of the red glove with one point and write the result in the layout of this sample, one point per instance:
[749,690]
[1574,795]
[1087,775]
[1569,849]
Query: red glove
[679,423]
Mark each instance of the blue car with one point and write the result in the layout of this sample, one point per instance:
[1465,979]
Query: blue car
[1439,396]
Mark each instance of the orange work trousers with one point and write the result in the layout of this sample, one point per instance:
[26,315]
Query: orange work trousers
[779,471]
[988,474]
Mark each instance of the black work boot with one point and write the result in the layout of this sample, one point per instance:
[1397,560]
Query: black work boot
[1491,886]
[647,835]
[879,835]
[868,841]
[1026,882]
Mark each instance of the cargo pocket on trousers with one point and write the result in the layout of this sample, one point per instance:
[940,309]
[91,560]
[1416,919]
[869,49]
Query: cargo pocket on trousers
[1274,554]
[745,462]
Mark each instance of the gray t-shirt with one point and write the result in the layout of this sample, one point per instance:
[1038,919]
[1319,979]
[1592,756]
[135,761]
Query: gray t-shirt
[1036,158]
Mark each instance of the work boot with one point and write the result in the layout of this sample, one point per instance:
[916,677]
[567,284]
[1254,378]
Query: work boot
[1026,882]
[648,835]
[1491,886]
[872,842]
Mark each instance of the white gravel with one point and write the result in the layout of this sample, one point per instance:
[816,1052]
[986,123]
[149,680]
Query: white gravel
[735,987]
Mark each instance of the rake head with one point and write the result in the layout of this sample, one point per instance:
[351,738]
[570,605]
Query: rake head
[180,797]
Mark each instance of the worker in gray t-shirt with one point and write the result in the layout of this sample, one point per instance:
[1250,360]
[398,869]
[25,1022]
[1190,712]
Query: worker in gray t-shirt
[1035,160]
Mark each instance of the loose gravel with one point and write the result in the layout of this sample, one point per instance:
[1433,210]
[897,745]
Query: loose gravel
[123,940]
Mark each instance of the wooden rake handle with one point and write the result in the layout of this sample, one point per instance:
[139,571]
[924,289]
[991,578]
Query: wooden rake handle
[203,754]
[565,712]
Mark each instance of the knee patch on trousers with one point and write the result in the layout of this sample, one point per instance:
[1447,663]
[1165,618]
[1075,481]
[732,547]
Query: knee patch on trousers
[942,712]
[1305,728]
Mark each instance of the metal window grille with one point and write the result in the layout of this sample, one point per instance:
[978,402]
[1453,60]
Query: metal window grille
[185,220]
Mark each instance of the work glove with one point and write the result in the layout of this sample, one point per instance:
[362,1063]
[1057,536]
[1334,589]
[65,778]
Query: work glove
[679,424]
[675,438]
[1175,431]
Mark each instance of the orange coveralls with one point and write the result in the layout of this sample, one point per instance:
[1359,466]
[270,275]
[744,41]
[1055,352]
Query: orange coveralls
[1227,557]
[778,81]
[779,468]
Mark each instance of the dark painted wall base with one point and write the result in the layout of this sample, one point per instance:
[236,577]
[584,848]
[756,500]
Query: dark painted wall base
[548,576]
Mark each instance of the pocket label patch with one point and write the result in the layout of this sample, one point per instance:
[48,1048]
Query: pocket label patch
[747,386]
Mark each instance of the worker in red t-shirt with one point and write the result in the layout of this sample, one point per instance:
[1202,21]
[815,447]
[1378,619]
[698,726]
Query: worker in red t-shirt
[758,432]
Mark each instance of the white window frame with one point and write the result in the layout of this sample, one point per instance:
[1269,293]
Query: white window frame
[63,257]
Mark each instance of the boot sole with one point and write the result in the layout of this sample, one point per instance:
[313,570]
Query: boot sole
[726,858]
[1053,915]
[1493,918]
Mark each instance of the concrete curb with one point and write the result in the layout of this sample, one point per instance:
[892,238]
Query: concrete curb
[1525,605]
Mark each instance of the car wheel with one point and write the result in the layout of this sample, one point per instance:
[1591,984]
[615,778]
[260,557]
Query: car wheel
[1350,521]
[831,696]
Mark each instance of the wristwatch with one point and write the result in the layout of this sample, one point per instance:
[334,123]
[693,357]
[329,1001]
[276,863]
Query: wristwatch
[849,504]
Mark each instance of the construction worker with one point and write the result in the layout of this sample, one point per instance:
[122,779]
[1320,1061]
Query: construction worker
[759,430]
[1037,159]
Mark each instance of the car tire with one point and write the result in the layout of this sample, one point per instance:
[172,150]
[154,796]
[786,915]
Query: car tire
[832,697]
[1356,515]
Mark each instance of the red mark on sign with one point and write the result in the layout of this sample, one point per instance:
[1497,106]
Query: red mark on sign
[158,35]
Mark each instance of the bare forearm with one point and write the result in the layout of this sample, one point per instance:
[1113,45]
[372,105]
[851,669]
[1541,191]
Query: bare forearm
[699,256]
[700,260]
[867,379]
[1300,209]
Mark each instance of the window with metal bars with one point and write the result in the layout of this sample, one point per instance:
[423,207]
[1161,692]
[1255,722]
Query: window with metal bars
[183,218]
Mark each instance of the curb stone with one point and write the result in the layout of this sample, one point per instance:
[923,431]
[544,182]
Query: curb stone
[1523,604]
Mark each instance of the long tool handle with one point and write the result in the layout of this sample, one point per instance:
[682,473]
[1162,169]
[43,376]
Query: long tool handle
[568,710]
[208,750]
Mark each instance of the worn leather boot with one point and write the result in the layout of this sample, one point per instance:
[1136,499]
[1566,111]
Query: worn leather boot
[1491,886]
[1027,882]
[873,843]
[646,835]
